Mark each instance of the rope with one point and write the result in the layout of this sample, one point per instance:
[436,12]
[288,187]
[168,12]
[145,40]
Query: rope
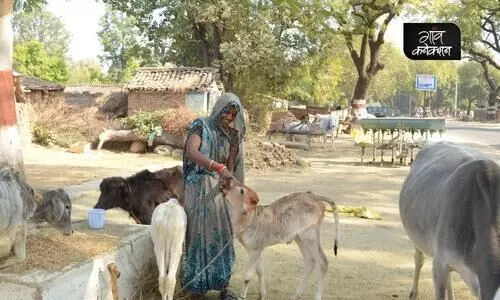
[203,270]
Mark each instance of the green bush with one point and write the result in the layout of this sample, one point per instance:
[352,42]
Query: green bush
[42,136]
[143,123]
[173,121]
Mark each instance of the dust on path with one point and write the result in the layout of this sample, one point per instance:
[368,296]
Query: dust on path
[375,258]
[46,167]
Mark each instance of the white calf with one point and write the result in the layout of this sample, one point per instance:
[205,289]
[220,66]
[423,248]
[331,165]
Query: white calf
[168,230]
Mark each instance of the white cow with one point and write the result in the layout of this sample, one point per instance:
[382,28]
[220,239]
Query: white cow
[449,206]
[168,231]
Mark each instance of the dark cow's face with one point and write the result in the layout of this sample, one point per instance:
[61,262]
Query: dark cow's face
[114,191]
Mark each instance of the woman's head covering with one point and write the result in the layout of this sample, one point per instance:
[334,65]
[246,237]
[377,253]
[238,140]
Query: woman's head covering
[223,104]
[210,136]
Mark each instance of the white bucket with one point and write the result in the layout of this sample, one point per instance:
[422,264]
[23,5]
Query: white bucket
[96,218]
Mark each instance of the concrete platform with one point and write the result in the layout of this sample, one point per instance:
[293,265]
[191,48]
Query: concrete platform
[88,279]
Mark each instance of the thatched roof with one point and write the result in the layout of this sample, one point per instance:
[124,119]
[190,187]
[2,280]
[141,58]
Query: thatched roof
[178,79]
[30,83]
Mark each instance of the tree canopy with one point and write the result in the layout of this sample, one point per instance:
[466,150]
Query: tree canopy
[313,52]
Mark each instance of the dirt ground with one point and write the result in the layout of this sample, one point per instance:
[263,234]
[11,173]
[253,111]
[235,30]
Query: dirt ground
[47,167]
[375,258]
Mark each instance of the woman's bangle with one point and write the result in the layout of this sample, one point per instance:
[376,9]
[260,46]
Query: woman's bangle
[219,167]
[210,165]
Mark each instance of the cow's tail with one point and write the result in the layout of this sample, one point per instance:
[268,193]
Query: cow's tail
[336,218]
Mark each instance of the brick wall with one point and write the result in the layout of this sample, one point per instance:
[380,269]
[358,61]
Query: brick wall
[37,96]
[151,101]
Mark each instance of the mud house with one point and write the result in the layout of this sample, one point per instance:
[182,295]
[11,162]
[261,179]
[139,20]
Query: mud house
[35,89]
[29,90]
[160,88]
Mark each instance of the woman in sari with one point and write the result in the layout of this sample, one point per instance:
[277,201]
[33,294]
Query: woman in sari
[213,152]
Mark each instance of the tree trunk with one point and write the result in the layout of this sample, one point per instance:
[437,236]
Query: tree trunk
[10,143]
[203,46]
[361,89]
[492,97]
[469,106]
[358,101]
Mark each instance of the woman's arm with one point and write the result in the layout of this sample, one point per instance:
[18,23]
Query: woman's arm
[193,154]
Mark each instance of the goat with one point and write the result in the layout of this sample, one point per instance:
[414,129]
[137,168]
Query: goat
[298,216]
[168,231]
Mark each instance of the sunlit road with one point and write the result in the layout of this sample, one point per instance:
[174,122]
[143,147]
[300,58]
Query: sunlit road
[485,137]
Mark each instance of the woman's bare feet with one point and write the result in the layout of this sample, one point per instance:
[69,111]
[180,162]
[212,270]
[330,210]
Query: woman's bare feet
[228,294]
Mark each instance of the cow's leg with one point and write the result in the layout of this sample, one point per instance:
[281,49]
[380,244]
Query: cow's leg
[173,265]
[259,267]
[136,219]
[419,262]
[439,276]
[309,263]
[160,253]
[322,264]
[253,256]
[19,247]
[449,286]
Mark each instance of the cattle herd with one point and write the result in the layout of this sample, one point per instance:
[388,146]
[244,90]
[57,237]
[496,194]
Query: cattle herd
[449,207]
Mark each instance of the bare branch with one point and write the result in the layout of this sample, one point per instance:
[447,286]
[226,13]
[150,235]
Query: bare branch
[491,46]
[364,46]
[350,46]
[472,58]
[483,56]
[381,33]
[492,30]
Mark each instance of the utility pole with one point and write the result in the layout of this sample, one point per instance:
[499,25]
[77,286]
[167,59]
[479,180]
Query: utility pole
[456,94]
[409,105]
[10,144]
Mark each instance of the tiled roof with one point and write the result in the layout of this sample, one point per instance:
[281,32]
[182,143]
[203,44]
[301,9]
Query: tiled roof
[30,83]
[179,79]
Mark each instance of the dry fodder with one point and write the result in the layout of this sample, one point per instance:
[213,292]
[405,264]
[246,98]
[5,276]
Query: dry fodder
[56,121]
[177,120]
[146,285]
[50,250]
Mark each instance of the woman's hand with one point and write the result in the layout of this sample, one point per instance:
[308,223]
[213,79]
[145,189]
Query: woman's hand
[226,174]
[225,177]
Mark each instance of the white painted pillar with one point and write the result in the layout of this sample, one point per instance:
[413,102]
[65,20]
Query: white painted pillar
[10,144]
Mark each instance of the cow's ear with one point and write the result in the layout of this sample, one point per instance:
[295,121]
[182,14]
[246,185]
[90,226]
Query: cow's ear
[58,207]
[253,198]
[226,183]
